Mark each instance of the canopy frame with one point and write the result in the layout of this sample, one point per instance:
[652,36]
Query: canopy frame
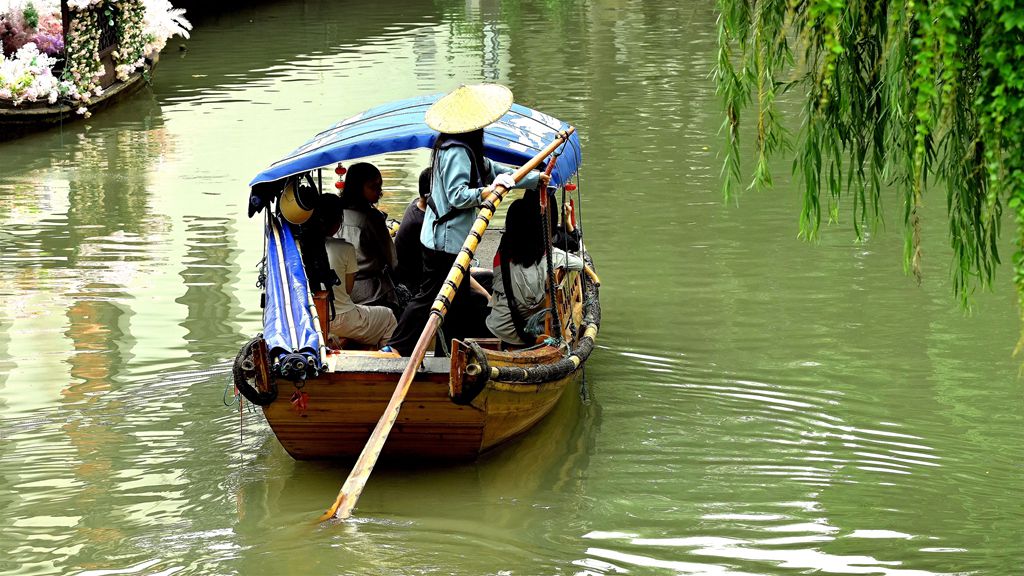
[399,126]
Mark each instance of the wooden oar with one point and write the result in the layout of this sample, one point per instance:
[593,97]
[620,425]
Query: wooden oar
[356,481]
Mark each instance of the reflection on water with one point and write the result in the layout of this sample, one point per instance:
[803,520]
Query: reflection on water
[756,405]
[207,276]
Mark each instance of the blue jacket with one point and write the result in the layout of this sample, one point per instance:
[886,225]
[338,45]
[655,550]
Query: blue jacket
[451,189]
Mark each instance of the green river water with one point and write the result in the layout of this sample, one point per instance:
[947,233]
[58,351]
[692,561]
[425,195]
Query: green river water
[756,404]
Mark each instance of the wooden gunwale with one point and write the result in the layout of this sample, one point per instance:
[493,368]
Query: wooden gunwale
[345,403]
[344,406]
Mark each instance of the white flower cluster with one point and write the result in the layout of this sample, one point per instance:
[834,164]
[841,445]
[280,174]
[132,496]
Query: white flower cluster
[83,4]
[144,26]
[162,21]
[28,76]
[124,71]
[83,67]
[17,7]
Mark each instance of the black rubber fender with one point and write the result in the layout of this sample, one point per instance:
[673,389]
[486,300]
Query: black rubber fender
[244,368]
[472,386]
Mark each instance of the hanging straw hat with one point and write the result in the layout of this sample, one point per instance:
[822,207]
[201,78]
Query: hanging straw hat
[297,202]
[469,108]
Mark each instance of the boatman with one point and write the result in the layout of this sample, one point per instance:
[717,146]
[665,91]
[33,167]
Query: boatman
[460,177]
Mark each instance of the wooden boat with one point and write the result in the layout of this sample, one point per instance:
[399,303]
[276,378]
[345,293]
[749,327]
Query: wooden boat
[16,121]
[324,403]
[28,117]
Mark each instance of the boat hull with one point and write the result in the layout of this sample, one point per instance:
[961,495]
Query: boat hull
[17,121]
[447,414]
[344,406]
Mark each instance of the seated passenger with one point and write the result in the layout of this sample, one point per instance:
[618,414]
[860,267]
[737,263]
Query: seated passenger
[365,228]
[369,325]
[407,240]
[520,276]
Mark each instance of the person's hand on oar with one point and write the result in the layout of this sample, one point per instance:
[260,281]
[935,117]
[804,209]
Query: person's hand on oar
[506,181]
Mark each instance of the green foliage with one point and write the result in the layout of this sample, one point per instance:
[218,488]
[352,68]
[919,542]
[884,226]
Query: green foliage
[31,16]
[897,93]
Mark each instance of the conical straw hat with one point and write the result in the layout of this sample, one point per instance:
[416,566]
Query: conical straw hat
[297,202]
[469,108]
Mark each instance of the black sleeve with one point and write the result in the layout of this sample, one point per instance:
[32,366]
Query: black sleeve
[568,241]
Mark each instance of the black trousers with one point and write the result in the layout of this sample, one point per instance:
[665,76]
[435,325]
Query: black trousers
[465,318]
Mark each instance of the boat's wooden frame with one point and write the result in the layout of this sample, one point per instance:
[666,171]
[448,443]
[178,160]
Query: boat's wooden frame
[346,401]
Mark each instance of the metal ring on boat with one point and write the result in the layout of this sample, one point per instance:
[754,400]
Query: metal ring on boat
[475,378]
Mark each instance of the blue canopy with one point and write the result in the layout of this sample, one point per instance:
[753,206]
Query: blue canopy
[287,323]
[398,126]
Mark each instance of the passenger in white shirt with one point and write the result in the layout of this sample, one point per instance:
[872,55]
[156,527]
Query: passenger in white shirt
[369,325]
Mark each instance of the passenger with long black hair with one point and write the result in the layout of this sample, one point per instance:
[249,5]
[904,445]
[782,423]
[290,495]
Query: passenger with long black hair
[365,227]
[407,239]
[520,276]
[565,235]
[460,179]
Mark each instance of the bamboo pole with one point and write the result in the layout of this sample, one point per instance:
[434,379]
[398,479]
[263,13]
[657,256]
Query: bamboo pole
[360,473]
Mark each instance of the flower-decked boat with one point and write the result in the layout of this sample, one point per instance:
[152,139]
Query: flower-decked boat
[323,402]
[66,60]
